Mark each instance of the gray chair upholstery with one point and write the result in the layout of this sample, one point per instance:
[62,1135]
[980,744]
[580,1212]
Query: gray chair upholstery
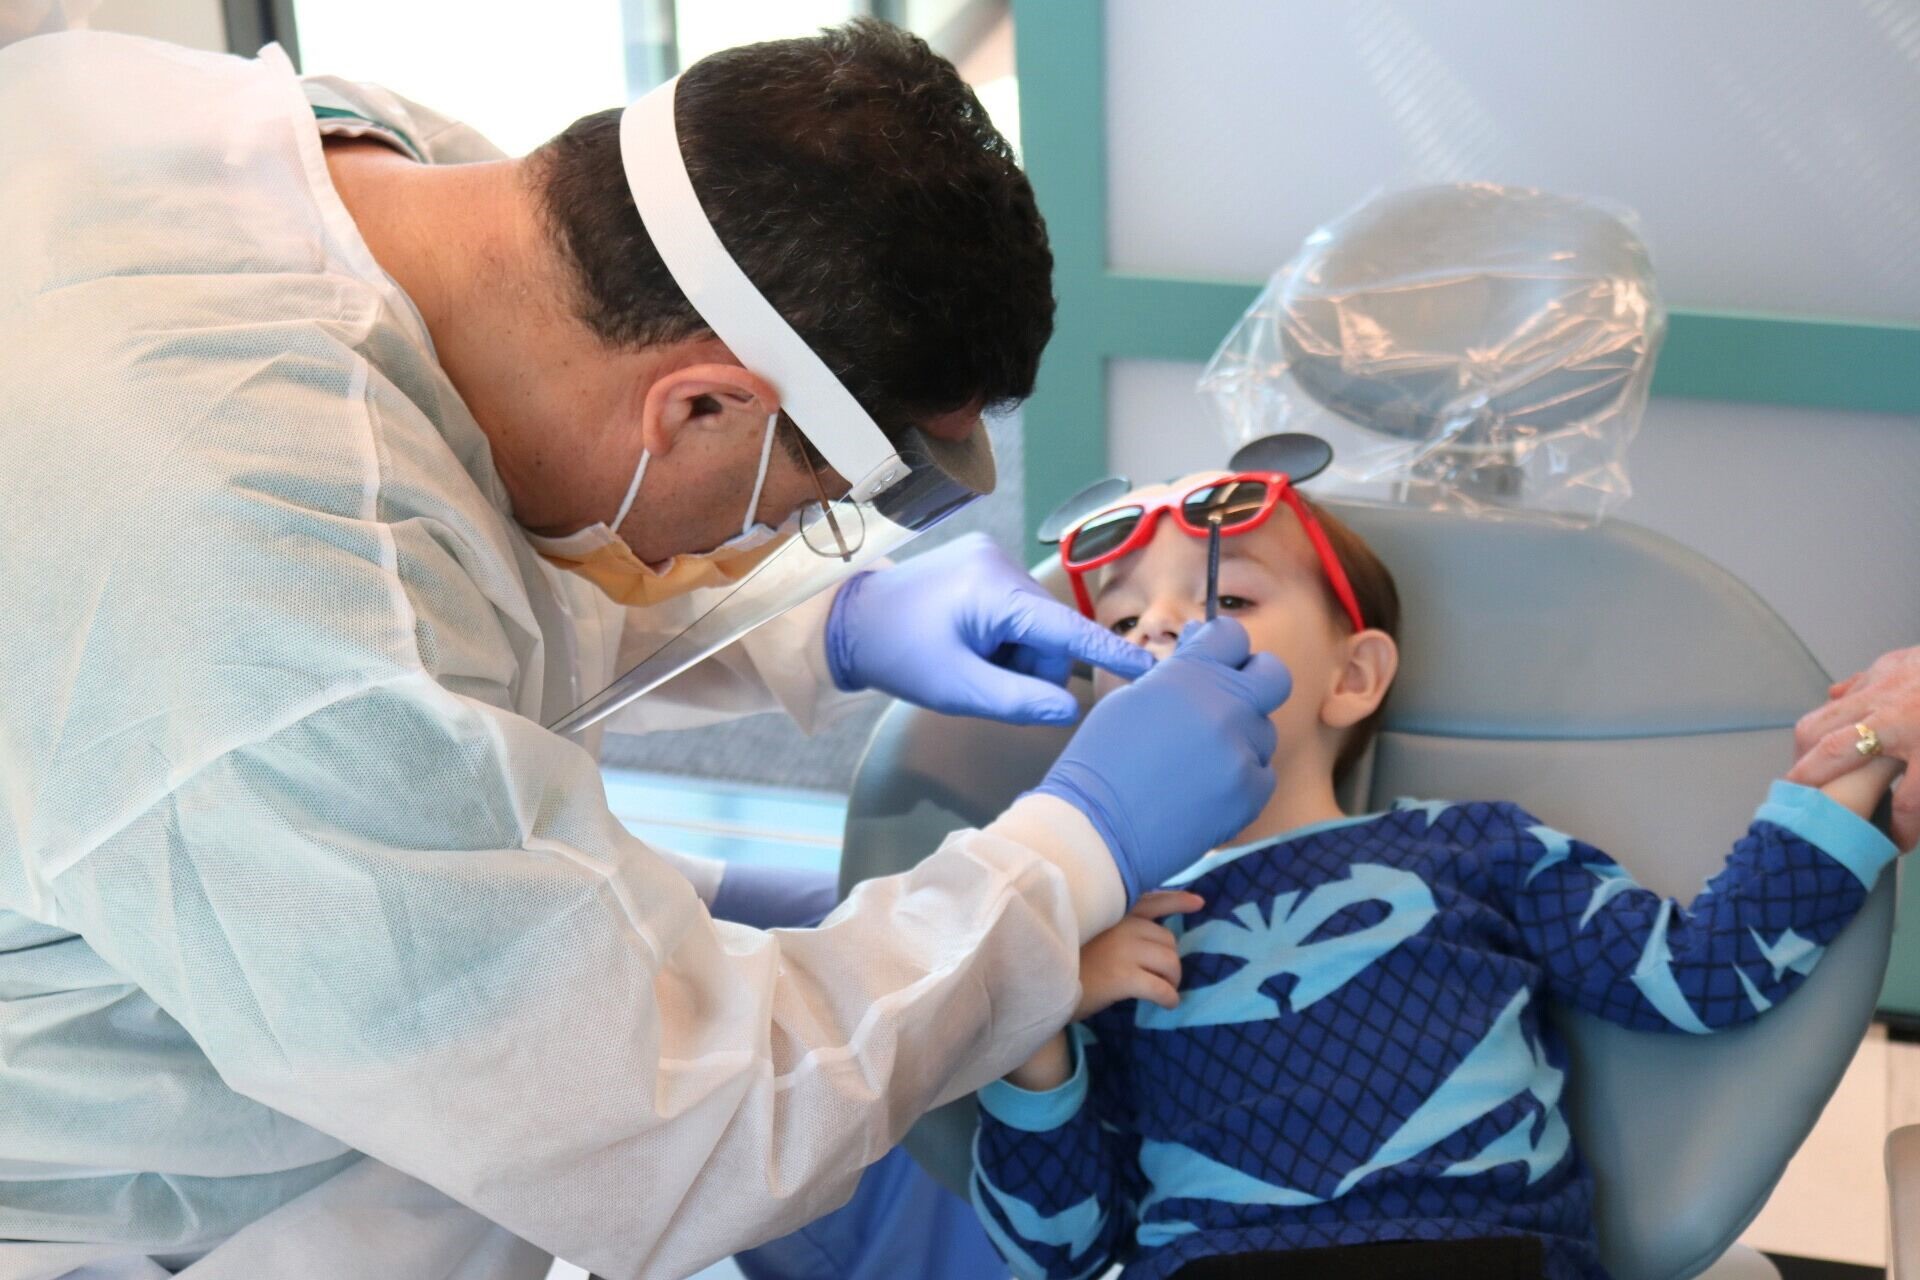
[1619,686]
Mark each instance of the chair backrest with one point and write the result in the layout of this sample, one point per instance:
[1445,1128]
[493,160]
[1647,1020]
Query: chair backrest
[1619,686]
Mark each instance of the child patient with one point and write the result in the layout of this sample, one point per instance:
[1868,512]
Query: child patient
[1329,1057]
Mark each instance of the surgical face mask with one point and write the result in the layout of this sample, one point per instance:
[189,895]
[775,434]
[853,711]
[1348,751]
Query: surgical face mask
[599,554]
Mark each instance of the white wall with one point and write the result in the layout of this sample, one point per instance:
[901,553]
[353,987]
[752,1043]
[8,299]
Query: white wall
[199,24]
[1770,151]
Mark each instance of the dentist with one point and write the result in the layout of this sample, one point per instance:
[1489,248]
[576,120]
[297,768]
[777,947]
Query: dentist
[355,476]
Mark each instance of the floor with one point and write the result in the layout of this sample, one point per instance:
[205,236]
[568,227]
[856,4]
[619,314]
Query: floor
[732,821]
[1832,1202]
[1815,1269]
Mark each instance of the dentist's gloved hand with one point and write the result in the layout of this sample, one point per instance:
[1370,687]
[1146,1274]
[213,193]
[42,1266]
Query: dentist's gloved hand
[966,631]
[1181,759]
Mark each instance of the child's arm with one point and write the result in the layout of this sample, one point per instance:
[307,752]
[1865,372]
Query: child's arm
[1054,1187]
[1744,943]
[1049,1180]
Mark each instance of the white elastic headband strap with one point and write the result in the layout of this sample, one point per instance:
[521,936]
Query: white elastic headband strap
[733,308]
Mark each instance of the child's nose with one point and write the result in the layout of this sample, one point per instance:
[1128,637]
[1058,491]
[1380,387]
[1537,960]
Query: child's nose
[1160,626]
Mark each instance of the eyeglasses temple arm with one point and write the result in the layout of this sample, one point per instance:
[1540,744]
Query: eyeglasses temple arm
[1342,588]
[1081,596]
[826,509]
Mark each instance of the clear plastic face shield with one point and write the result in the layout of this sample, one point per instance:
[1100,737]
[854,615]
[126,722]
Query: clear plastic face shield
[898,490]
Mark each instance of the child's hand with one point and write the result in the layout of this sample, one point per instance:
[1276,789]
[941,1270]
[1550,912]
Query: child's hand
[1859,791]
[1137,959]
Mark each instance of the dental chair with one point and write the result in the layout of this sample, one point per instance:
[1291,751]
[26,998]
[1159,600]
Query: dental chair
[1624,689]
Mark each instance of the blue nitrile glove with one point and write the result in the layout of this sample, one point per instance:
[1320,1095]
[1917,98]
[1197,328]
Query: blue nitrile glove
[965,630]
[772,897]
[1179,760]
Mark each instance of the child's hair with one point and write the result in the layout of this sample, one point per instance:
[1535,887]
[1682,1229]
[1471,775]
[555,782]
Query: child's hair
[1379,602]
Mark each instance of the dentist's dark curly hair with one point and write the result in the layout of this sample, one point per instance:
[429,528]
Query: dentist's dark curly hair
[862,188]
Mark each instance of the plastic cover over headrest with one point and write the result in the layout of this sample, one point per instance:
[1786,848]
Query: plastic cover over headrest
[1467,347]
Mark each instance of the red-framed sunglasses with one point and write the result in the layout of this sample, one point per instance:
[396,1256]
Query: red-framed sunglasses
[1238,503]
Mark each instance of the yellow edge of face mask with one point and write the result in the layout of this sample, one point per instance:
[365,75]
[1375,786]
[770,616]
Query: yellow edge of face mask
[629,580]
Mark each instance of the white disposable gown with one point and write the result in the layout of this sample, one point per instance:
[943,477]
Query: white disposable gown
[319,957]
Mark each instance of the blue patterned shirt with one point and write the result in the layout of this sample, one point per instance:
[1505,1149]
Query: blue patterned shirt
[1359,1053]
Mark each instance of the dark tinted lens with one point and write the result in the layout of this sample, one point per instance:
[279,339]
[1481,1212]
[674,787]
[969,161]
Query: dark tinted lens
[1103,533]
[1233,503]
[1299,457]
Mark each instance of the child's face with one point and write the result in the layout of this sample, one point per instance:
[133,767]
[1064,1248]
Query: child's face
[1270,581]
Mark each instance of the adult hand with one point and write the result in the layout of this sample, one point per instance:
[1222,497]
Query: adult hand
[1886,698]
[1174,763]
[965,630]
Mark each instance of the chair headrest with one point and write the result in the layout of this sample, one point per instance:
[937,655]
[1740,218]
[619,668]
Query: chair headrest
[1530,306]
[1521,630]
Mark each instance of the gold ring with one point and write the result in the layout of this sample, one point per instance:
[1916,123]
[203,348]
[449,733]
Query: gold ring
[1869,743]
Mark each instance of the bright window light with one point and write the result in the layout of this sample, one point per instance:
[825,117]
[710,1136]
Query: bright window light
[518,74]
[702,27]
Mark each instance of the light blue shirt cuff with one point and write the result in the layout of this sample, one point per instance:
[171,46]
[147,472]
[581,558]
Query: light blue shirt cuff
[1032,1112]
[1830,827]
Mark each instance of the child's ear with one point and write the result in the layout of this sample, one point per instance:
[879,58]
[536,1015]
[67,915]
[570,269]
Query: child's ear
[1372,661]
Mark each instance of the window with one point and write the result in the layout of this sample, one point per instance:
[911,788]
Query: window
[521,74]
[517,73]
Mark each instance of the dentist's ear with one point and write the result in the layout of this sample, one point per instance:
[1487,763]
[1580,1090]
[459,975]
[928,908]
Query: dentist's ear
[1372,660]
[695,396]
